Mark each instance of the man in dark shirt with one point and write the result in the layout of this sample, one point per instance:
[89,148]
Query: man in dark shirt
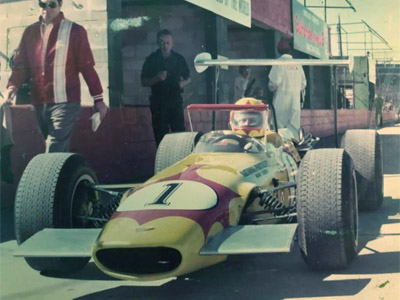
[166,72]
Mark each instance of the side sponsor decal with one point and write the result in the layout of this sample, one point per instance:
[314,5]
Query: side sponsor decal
[255,168]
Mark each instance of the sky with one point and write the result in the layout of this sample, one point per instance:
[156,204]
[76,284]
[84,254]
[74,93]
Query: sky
[382,15]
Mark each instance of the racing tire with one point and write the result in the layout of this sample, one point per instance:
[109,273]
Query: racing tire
[365,148]
[327,209]
[173,148]
[47,197]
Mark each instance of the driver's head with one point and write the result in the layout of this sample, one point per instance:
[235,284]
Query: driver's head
[250,122]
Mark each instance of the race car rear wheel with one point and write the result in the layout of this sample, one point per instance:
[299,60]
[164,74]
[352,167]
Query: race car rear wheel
[173,148]
[365,148]
[51,192]
[327,209]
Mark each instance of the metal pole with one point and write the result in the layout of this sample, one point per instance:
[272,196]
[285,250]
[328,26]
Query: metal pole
[339,27]
[354,90]
[372,47]
[343,89]
[270,62]
[334,83]
[365,43]
[217,68]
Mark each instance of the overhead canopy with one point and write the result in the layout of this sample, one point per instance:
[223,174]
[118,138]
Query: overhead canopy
[238,11]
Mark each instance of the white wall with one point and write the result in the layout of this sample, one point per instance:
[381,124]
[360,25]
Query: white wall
[187,27]
[15,16]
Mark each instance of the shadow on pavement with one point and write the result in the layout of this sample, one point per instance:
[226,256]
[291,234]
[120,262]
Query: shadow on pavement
[90,272]
[7,224]
[253,275]
[244,277]
[370,223]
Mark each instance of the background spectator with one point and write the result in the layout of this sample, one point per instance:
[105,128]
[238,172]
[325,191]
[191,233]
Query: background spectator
[166,72]
[242,87]
[287,83]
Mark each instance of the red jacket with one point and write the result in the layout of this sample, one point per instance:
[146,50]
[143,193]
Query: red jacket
[68,53]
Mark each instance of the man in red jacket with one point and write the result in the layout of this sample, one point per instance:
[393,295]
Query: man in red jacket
[52,53]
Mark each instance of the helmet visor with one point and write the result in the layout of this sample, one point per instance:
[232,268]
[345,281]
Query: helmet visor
[245,119]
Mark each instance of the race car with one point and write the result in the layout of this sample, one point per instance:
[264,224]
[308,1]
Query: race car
[240,191]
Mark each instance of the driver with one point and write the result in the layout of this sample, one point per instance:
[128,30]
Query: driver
[250,122]
[255,124]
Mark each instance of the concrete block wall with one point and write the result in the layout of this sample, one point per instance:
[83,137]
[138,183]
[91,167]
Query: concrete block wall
[122,149]
[187,26]
[202,121]
[15,16]
[28,141]
[239,47]
[321,122]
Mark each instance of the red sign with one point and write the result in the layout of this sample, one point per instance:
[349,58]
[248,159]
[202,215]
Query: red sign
[273,13]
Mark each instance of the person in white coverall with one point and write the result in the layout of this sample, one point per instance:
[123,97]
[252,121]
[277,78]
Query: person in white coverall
[287,83]
[241,83]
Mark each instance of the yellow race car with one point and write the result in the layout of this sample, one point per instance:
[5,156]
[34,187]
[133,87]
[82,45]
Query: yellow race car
[240,191]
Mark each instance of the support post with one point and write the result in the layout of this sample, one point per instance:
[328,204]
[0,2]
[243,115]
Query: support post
[334,87]
[339,28]
[216,76]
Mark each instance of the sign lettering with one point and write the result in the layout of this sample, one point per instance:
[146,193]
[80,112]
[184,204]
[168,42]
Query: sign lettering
[310,33]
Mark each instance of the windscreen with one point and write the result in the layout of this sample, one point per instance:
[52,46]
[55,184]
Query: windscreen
[229,142]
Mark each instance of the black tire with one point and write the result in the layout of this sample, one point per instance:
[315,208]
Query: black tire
[365,148]
[51,191]
[327,209]
[173,148]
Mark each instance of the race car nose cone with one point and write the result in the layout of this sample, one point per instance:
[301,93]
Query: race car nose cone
[164,246]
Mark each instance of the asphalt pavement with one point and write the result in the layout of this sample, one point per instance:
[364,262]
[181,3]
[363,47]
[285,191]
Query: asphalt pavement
[373,275]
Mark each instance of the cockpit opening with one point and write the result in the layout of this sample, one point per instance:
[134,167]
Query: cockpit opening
[228,141]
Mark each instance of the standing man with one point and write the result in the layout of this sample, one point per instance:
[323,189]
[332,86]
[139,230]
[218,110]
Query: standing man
[287,83]
[51,54]
[242,87]
[378,111]
[166,72]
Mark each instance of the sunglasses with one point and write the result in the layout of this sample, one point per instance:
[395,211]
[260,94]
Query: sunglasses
[49,5]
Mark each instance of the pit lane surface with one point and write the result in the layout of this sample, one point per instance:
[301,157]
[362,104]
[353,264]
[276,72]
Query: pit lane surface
[373,275]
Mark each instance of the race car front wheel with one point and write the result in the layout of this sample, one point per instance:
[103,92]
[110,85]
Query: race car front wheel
[173,148]
[365,148]
[51,193]
[327,209]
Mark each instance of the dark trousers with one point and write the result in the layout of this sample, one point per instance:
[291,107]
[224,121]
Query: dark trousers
[166,117]
[57,122]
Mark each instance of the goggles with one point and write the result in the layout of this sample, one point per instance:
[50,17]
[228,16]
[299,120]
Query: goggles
[47,4]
